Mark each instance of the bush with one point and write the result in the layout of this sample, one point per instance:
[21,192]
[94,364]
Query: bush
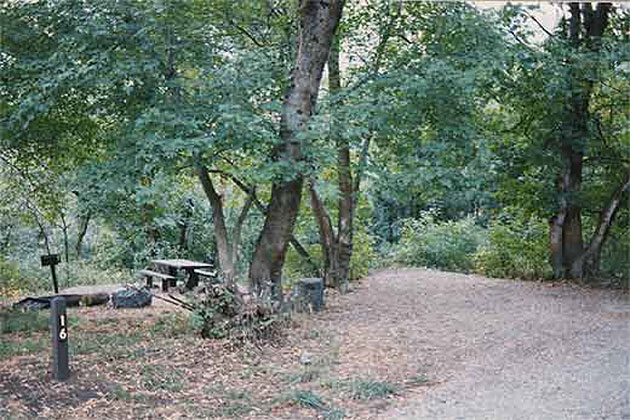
[18,321]
[516,248]
[615,262]
[9,278]
[221,312]
[449,245]
[364,256]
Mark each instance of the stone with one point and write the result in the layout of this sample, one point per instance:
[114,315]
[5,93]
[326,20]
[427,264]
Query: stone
[131,298]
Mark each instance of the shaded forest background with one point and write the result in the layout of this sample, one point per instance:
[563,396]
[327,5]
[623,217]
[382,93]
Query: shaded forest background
[443,136]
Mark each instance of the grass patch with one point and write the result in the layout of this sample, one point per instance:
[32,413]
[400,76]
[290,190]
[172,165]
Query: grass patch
[119,393]
[9,348]
[417,380]
[306,398]
[18,321]
[369,390]
[158,378]
[334,414]
[307,374]
[172,326]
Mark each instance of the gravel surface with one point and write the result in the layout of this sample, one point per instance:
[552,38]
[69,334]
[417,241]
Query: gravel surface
[496,349]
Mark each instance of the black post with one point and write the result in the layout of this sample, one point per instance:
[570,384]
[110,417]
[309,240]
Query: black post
[59,327]
[52,260]
[54,277]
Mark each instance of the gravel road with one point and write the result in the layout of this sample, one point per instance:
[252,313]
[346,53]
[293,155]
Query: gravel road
[501,349]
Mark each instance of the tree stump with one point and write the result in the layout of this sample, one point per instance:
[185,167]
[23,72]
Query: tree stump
[310,294]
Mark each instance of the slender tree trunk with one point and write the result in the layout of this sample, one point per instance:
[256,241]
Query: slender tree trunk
[318,22]
[587,264]
[184,224]
[84,222]
[327,237]
[224,248]
[343,249]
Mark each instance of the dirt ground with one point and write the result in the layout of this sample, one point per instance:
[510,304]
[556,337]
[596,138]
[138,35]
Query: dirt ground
[405,344]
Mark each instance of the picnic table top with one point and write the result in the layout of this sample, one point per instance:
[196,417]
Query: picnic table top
[185,264]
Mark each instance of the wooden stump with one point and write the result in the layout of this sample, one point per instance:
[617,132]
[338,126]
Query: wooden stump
[310,294]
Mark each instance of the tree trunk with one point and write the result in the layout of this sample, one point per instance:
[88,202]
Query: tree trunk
[572,242]
[327,237]
[302,252]
[556,228]
[224,248]
[587,265]
[84,222]
[318,22]
[343,250]
[565,234]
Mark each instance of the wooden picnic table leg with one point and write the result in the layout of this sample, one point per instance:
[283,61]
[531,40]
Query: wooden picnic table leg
[193,279]
[173,272]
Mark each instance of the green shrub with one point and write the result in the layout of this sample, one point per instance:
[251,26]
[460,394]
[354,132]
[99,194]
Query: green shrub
[363,258]
[364,255]
[449,245]
[9,278]
[615,262]
[516,248]
[30,321]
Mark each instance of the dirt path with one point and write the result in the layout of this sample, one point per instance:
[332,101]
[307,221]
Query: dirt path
[497,349]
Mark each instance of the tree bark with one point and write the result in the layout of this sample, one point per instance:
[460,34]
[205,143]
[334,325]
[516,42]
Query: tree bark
[302,252]
[327,237]
[565,234]
[587,264]
[84,222]
[318,22]
[572,242]
[556,228]
[343,251]
[224,248]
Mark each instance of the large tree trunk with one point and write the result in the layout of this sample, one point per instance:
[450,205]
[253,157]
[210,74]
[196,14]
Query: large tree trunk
[572,242]
[251,193]
[556,228]
[318,22]
[586,27]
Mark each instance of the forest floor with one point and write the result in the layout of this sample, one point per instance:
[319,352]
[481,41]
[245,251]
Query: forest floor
[404,344]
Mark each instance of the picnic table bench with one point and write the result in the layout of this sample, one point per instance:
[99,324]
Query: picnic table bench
[166,279]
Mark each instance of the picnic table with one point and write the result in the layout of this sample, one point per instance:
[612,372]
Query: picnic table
[189,266]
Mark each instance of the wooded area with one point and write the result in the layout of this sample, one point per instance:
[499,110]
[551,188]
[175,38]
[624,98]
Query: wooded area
[434,134]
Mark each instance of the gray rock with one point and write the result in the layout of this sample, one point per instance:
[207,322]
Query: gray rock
[131,298]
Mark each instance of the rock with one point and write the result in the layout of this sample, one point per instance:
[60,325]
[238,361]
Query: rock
[131,298]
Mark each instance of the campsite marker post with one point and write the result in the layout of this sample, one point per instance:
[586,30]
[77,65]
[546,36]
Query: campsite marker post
[59,327]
